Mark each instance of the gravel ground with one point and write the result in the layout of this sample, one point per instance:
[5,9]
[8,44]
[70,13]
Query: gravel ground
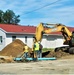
[62,66]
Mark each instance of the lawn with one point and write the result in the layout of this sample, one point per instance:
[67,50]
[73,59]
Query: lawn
[47,49]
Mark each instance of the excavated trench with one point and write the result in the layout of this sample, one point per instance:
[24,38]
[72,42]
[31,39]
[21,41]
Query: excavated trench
[45,54]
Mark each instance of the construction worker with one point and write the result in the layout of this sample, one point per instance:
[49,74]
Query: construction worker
[36,49]
[26,50]
[40,50]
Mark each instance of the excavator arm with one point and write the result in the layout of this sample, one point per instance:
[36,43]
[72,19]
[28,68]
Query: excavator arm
[39,32]
[46,28]
[60,28]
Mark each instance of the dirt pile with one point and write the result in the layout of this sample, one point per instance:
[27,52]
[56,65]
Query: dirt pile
[6,59]
[57,54]
[13,49]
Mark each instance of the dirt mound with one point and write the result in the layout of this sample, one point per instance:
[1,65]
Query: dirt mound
[57,54]
[13,49]
[6,59]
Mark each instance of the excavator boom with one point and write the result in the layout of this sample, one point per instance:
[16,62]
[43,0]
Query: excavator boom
[39,32]
[45,28]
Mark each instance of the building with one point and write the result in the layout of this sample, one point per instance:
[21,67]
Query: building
[9,33]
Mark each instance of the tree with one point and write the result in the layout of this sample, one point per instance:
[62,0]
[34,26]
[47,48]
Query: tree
[9,17]
[1,16]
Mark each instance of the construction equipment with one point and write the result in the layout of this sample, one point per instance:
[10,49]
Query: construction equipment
[44,28]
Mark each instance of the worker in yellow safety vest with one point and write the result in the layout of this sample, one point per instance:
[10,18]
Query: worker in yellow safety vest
[40,50]
[36,49]
[26,50]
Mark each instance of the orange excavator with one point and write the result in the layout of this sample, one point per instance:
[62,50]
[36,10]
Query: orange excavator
[45,28]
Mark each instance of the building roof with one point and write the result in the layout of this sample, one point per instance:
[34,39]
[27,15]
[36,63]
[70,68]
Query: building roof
[17,28]
[9,28]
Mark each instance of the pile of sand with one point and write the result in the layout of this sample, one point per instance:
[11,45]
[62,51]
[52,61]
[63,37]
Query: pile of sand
[13,49]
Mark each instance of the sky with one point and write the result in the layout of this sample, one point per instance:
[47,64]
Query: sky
[32,12]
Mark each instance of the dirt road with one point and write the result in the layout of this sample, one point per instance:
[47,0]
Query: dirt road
[59,66]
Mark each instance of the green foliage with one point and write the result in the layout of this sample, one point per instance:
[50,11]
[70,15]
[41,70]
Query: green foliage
[1,16]
[9,17]
[47,49]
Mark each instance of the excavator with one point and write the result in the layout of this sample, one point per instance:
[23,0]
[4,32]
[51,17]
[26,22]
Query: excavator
[45,28]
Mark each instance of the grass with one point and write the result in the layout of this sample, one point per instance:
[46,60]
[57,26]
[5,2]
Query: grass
[47,49]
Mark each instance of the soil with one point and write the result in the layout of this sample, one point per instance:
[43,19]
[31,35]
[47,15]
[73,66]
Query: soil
[13,49]
[57,54]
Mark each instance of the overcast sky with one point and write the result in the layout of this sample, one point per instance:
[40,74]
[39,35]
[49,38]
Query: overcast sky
[32,12]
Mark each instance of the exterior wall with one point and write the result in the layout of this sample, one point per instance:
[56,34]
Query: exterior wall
[21,37]
[44,41]
[54,41]
[30,40]
[2,45]
[8,39]
[50,41]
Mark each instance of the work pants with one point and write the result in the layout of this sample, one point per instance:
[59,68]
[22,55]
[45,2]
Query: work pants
[40,53]
[36,54]
[26,55]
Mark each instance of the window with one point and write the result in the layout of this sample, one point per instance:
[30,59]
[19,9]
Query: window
[0,39]
[25,39]
[13,38]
